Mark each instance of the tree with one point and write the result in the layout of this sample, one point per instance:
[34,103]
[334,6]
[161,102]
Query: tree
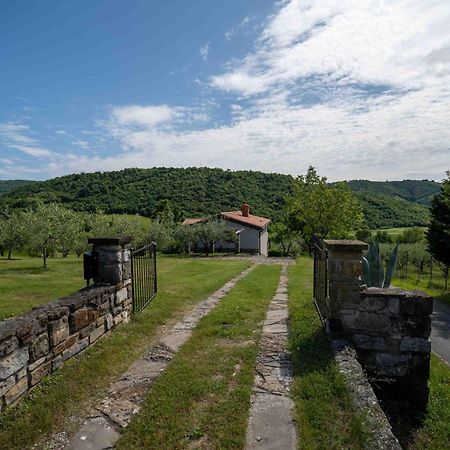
[48,228]
[208,233]
[12,230]
[322,209]
[438,233]
[411,235]
[282,234]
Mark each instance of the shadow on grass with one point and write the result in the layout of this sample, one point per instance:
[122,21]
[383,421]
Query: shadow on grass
[31,270]
[311,353]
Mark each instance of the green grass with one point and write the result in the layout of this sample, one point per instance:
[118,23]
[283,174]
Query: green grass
[435,432]
[436,289]
[71,392]
[396,232]
[24,283]
[324,413]
[203,398]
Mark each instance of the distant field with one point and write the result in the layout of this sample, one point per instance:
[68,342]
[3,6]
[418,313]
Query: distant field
[24,283]
[394,232]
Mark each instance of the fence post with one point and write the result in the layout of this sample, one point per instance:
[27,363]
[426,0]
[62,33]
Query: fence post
[344,277]
[114,262]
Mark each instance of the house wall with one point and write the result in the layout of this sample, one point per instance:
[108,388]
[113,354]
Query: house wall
[264,239]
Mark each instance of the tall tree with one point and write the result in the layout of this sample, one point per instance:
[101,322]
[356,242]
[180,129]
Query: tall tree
[12,230]
[438,233]
[322,209]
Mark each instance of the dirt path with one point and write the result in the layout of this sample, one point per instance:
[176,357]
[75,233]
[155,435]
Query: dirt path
[101,429]
[271,424]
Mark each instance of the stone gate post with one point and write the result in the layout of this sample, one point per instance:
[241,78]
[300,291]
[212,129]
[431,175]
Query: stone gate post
[344,278]
[114,259]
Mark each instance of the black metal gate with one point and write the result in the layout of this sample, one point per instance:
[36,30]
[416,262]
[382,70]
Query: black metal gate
[143,276]
[320,286]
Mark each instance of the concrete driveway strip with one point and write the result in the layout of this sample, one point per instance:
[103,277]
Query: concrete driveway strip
[271,425]
[440,330]
[101,430]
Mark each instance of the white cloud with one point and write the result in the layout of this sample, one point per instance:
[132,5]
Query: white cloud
[61,132]
[38,152]
[83,144]
[204,52]
[147,116]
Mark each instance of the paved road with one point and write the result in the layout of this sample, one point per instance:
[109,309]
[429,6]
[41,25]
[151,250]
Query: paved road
[440,330]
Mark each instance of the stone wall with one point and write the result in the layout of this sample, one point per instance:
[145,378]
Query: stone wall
[389,328]
[37,343]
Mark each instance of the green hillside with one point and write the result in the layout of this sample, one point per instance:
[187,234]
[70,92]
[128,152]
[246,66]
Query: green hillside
[11,185]
[204,191]
[417,191]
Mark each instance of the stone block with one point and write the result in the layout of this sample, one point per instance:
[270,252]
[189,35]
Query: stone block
[8,328]
[17,391]
[109,321]
[59,331]
[415,326]
[37,363]
[8,346]
[79,319]
[13,362]
[392,365]
[394,305]
[374,304]
[39,347]
[30,326]
[121,296]
[117,311]
[65,344]
[366,322]
[87,330]
[117,319]
[37,374]
[344,267]
[100,321]
[96,334]
[411,344]
[370,342]
[7,384]
[56,363]
[76,348]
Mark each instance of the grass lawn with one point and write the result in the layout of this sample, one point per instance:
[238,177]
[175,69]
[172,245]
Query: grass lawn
[435,431]
[324,412]
[436,289]
[69,393]
[202,400]
[24,283]
[396,232]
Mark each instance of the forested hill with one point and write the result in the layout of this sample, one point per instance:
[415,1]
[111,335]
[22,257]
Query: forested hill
[204,191]
[417,191]
[11,185]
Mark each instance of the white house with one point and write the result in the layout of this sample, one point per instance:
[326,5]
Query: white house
[252,231]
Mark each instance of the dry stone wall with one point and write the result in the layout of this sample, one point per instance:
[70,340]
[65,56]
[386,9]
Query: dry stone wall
[389,328]
[37,343]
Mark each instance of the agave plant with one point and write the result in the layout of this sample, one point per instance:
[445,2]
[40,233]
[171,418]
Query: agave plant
[374,274]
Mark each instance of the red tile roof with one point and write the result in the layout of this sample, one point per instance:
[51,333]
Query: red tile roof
[192,221]
[251,220]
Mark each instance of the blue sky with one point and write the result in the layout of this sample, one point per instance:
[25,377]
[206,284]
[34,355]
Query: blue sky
[359,89]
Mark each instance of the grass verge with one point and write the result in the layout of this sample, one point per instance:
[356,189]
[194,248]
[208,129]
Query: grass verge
[423,284]
[203,398]
[24,283]
[434,434]
[70,392]
[324,413]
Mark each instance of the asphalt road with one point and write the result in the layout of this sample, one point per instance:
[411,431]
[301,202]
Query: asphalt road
[440,330]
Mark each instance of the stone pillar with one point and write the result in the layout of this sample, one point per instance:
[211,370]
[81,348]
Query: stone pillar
[344,279]
[114,259]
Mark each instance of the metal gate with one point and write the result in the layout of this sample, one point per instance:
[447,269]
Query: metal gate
[320,286]
[143,276]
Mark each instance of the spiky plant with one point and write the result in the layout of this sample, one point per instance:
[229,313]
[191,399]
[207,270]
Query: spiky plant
[374,274]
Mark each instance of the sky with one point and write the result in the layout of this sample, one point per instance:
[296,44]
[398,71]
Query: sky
[360,89]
